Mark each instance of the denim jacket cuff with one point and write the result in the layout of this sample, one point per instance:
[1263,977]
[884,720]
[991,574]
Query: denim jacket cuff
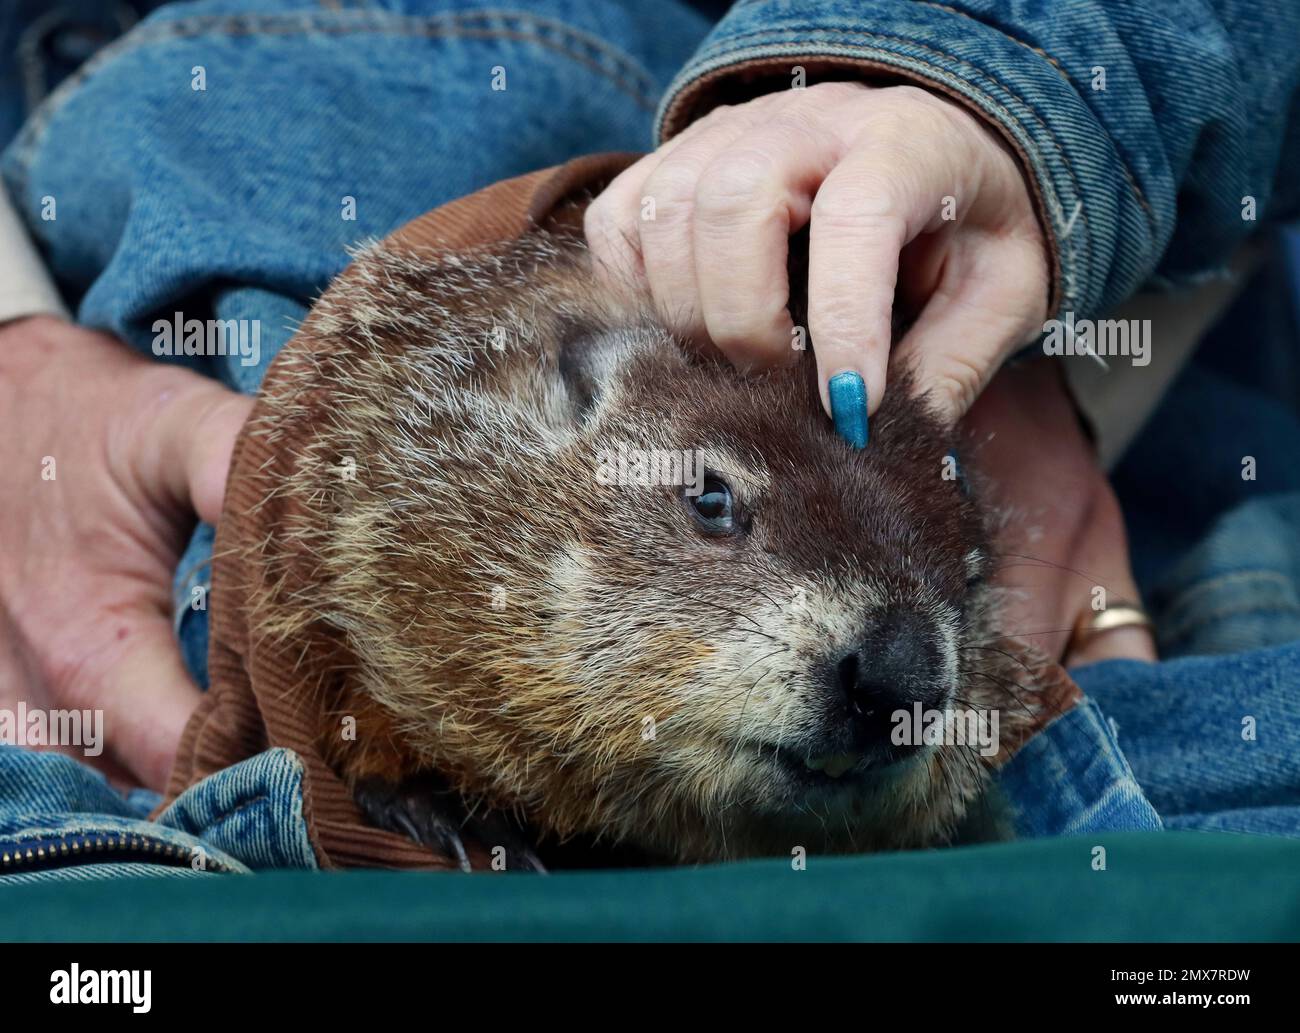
[1085,197]
[1073,778]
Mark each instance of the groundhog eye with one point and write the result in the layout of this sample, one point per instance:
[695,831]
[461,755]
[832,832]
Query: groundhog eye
[714,507]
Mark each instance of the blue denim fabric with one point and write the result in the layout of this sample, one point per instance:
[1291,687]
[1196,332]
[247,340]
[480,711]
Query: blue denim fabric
[246,817]
[48,802]
[1213,741]
[43,42]
[252,810]
[190,588]
[1144,181]
[224,204]
[1239,588]
[1218,558]
[1073,778]
[1210,743]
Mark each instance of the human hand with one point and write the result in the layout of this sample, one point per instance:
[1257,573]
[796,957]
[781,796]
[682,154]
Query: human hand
[108,457]
[1064,536]
[905,191]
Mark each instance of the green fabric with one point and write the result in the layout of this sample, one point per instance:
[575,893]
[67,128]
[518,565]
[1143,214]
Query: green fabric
[1156,886]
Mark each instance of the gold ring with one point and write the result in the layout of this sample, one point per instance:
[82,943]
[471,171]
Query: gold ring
[1112,618]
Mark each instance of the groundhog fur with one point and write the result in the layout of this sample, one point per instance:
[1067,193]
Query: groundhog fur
[583,658]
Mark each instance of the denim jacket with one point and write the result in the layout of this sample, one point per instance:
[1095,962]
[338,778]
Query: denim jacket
[208,193]
[1159,134]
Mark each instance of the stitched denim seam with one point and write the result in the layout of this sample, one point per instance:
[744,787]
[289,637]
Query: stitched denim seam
[1068,251]
[624,72]
[1184,628]
[1220,581]
[1177,628]
[227,813]
[297,818]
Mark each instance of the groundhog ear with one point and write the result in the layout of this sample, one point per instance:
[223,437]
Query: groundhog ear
[590,361]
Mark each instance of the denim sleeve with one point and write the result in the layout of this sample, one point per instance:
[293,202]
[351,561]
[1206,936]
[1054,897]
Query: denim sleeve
[1073,778]
[1157,133]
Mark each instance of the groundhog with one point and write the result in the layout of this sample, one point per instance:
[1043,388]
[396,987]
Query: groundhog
[597,586]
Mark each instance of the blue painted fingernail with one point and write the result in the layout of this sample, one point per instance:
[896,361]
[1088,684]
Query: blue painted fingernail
[849,407]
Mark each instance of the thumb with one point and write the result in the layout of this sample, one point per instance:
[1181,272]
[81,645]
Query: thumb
[209,449]
[182,457]
[989,301]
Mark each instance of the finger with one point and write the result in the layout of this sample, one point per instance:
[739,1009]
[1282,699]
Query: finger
[990,300]
[182,455]
[870,206]
[612,222]
[1128,643]
[1103,556]
[749,200]
[148,697]
[667,238]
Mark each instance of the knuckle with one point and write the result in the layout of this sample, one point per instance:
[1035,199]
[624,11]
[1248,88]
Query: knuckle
[672,186]
[908,96]
[958,380]
[722,113]
[865,203]
[835,92]
[892,122]
[598,222]
[737,186]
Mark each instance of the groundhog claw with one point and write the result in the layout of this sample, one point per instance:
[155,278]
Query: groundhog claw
[426,810]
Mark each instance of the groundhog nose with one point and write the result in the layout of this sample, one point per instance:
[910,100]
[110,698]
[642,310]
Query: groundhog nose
[895,665]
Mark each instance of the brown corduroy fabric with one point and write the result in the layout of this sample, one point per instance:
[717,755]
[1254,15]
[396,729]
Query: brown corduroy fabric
[260,693]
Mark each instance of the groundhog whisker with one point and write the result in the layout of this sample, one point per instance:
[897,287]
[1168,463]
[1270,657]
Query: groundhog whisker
[1036,561]
[1001,652]
[1026,633]
[779,742]
[1005,685]
[757,628]
[740,721]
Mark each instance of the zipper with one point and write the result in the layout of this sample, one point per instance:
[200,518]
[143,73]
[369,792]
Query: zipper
[58,851]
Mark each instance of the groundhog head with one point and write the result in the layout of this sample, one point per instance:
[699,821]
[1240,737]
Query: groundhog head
[595,578]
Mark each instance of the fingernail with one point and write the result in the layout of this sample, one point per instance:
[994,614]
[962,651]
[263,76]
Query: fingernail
[848,396]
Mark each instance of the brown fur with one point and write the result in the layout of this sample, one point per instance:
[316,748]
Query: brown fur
[510,623]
